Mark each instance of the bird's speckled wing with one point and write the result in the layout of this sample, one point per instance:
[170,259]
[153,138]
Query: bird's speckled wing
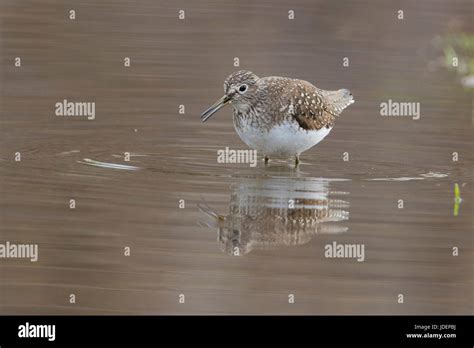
[314,108]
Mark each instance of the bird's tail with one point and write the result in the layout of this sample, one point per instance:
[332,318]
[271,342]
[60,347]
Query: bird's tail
[339,100]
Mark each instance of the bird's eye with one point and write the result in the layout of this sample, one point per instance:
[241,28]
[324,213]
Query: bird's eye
[242,88]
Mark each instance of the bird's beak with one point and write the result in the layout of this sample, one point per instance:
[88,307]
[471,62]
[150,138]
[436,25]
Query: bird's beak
[214,108]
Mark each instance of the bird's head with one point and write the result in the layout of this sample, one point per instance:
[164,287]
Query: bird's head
[239,90]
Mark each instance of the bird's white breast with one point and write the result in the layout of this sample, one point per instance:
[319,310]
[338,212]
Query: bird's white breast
[284,140]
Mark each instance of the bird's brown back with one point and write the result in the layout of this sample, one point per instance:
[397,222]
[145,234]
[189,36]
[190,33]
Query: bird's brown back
[298,100]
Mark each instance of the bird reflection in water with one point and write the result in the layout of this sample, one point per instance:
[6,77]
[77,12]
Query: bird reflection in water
[266,213]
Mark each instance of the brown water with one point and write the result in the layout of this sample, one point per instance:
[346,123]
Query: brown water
[261,250]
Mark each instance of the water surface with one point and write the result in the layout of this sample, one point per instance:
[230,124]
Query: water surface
[280,249]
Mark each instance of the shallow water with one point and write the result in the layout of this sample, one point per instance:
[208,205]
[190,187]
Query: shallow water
[260,249]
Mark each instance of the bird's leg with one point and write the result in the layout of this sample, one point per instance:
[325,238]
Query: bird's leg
[297,160]
[266,160]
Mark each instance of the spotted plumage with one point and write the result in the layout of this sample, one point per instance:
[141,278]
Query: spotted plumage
[279,116]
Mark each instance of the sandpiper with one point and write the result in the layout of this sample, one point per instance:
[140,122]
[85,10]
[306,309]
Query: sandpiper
[280,116]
